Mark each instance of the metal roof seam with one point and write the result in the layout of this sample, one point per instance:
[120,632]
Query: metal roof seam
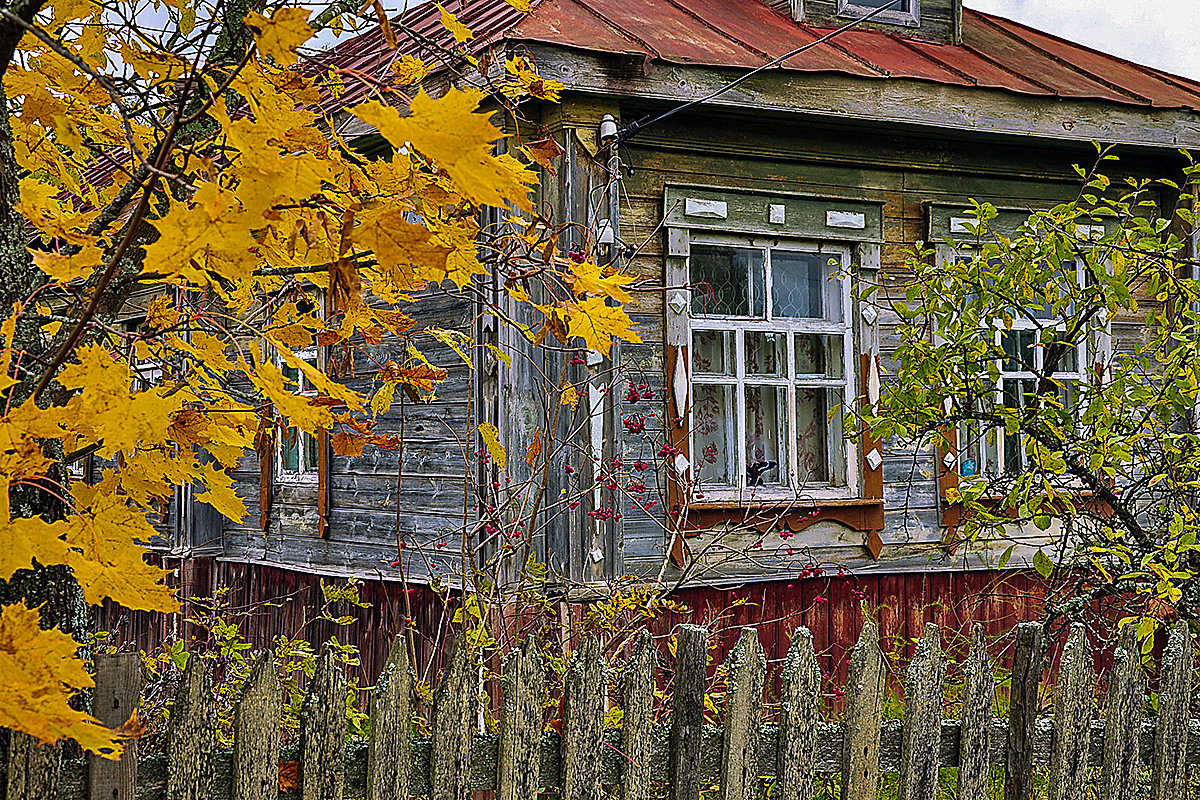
[649,48]
[711,26]
[1025,76]
[833,43]
[902,40]
[1178,81]
[1086,73]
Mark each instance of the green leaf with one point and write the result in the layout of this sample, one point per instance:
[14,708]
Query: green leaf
[1043,564]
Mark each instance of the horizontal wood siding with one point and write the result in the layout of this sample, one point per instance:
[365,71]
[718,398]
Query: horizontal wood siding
[724,150]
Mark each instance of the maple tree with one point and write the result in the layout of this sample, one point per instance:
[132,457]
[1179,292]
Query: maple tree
[194,162]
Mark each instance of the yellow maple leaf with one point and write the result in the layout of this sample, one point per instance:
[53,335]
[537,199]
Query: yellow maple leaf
[491,438]
[598,323]
[409,70]
[460,32]
[67,268]
[107,560]
[589,278]
[210,234]
[459,140]
[281,35]
[41,673]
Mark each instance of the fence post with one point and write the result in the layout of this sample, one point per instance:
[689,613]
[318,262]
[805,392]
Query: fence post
[1072,718]
[637,740]
[1022,712]
[453,721]
[743,718]
[192,735]
[975,726]
[583,722]
[864,712]
[323,732]
[389,753]
[33,768]
[521,727]
[115,698]
[799,712]
[687,723]
[920,757]
[1174,705]
[1123,727]
[256,725]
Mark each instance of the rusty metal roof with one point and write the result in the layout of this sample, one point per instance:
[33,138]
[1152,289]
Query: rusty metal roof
[995,53]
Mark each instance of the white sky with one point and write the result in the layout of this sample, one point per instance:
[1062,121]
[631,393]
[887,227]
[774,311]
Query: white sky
[1158,33]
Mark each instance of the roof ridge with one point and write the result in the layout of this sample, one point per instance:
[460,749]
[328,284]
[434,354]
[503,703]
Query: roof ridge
[1162,75]
[1091,76]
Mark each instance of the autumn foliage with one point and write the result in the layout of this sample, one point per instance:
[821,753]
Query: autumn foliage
[207,179]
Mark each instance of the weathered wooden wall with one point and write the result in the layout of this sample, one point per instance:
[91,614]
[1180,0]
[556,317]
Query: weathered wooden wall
[722,149]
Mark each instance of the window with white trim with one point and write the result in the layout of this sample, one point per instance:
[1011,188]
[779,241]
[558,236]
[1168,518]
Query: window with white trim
[905,12]
[297,452]
[771,366]
[1030,349]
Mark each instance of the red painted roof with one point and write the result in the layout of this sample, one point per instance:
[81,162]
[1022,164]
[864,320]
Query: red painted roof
[995,53]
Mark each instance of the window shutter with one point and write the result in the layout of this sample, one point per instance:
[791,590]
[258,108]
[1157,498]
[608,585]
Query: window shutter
[264,446]
[323,476]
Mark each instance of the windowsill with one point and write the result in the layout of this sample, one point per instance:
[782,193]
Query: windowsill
[858,513]
[780,502]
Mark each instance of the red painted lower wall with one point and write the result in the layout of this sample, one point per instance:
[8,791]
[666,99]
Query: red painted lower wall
[268,601]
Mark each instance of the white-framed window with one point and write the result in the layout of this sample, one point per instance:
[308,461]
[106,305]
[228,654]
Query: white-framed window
[297,454]
[905,12]
[771,343]
[1030,348]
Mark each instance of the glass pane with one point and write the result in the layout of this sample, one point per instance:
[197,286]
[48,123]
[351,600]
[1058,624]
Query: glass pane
[1018,346]
[799,285]
[903,5]
[289,450]
[1017,394]
[726,280]
[310,453]
[818,355]
[713,429]
[820,456]
[766,354]
[293,375]
[712,352]
[766,437]
[1067,355]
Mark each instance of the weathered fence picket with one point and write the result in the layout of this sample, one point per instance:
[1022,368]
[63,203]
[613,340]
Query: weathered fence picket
[864,712]
[1022,712]
[118,692]
[1169,776]
[192,735]
[323,732]
[799,715]
[256,728]
[1082,756]
[923,719]
[519,768]
[637,742]
[1123,724]
[390,748]
[1072,718]
[975,726]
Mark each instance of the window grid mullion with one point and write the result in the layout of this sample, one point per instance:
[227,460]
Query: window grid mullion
[739,409]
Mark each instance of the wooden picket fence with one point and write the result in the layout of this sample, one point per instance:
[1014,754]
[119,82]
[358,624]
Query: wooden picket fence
[1119,757]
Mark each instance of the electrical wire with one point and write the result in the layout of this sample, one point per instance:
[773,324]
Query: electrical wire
[635,127]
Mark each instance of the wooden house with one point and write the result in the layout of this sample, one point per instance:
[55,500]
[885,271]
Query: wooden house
[850,151]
